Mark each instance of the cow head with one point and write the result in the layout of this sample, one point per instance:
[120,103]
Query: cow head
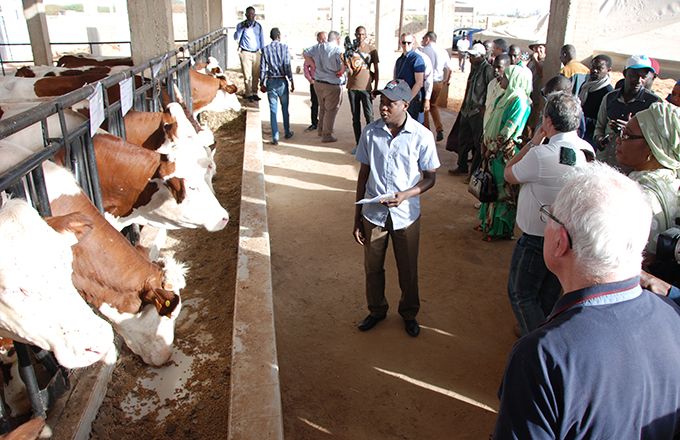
[150,332]
[38,303]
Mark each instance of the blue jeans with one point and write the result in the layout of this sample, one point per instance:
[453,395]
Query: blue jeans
[277,89]
[533,290]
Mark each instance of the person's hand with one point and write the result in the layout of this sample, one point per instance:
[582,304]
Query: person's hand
[394,201]
[359,235]
[263,88]
[539,136]
[426,105]
[619,124]
[292,86]
[654,284]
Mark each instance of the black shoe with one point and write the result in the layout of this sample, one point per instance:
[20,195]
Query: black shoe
[369,322]
[412,327]
[311,127]
[250,99]
[275,142]
[255,98]
[289,135]
[458,172]
[440,135]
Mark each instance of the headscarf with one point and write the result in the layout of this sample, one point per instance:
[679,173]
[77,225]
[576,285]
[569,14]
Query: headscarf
[592,86]
[660,125]
[519,82]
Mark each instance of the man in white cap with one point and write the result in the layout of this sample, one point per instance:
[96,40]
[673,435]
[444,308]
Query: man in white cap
[398,163]
[619,105]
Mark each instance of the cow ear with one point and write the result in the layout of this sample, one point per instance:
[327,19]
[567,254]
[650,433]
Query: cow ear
[176,187]
[77,223]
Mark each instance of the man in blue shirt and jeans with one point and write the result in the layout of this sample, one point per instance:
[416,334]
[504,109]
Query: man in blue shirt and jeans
[398,159]
[604,364]
[275,73]
[250,42]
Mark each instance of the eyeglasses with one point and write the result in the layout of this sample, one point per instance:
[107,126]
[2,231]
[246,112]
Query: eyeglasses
[545,214]
[627,136]
[406,42]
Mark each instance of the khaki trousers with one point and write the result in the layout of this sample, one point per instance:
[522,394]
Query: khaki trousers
[330,99]
[250,65]
[434,109]
[405,247]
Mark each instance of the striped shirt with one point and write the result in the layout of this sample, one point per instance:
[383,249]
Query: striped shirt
[275,62]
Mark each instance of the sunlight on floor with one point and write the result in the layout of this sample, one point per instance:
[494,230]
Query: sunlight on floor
[436,330]
[437,389]
[315,426]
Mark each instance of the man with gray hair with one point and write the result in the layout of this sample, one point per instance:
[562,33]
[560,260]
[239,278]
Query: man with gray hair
[604,364]
[532,288]
[328,81]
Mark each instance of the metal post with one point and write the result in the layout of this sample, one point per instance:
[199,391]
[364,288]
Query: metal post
[28,376]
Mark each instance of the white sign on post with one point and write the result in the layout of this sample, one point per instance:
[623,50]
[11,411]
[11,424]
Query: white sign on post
[126,95]
[96,100]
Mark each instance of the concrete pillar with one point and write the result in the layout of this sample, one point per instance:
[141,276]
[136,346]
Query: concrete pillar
[440,20]
[34,12]
[151,30]
[386,28]
[571,22]
[198,22]
[215,17]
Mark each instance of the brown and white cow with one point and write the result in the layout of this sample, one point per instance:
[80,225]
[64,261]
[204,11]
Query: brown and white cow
[17,89]
[39,304]
[81,60]
[209,93]
[140,298]
[166,188]
[46,71]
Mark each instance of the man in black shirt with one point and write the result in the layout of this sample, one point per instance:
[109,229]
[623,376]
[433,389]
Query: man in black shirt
[593,91]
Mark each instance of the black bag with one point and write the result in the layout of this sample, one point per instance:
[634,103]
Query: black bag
[483,186]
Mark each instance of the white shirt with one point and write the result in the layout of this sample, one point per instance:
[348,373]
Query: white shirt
[440,60]
[427,76]
[463,44]
[540,173]
[396,164]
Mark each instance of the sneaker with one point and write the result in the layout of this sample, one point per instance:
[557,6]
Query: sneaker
[440,135]
[289,135]
[275,142]
[311,128]
[354,150]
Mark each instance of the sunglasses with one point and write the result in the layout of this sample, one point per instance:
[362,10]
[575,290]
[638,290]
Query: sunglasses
[407,42]
[629,137]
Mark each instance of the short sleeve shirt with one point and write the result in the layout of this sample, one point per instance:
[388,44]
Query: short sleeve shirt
[396,164]
[540,173]
[408,65]
[359,78]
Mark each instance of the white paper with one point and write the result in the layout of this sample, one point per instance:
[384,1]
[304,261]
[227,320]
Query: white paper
[377,199]
[126,95]
[96,104]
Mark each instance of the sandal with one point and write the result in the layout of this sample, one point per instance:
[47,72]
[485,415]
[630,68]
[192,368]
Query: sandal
[478,228]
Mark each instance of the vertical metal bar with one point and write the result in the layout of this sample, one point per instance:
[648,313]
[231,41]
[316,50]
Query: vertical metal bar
[91,164]
[28,376]
[42,200]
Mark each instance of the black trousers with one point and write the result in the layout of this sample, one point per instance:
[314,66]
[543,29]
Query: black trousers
[360,100]
[315,105]
[470,138]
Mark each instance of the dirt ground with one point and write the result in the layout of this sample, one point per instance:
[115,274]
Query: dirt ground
[188,399]
[338,382]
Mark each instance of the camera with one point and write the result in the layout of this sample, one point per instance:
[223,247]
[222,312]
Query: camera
[350,47]
[667,245]
[246,23]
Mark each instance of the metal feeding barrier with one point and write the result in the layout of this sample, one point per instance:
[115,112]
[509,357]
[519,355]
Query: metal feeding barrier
[168,72]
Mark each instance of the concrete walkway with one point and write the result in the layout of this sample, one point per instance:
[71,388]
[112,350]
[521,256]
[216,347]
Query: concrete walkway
[337,382]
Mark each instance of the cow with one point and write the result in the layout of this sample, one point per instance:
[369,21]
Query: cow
[212,94]
[167,188]
[39,304]
[81,60]
[46,71]
[17,89]
[30,430]
[139,297]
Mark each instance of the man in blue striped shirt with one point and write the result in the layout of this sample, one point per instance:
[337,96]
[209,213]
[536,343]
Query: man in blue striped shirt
[275,73]
[250,39]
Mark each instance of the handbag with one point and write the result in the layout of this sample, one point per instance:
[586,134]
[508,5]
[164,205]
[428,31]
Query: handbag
[483,186]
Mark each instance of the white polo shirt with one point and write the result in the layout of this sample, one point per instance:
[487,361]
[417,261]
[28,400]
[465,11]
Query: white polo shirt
[396,164]
[541,175]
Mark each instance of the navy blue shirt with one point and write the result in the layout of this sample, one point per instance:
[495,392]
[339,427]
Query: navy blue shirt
[603,366]
[407,65]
